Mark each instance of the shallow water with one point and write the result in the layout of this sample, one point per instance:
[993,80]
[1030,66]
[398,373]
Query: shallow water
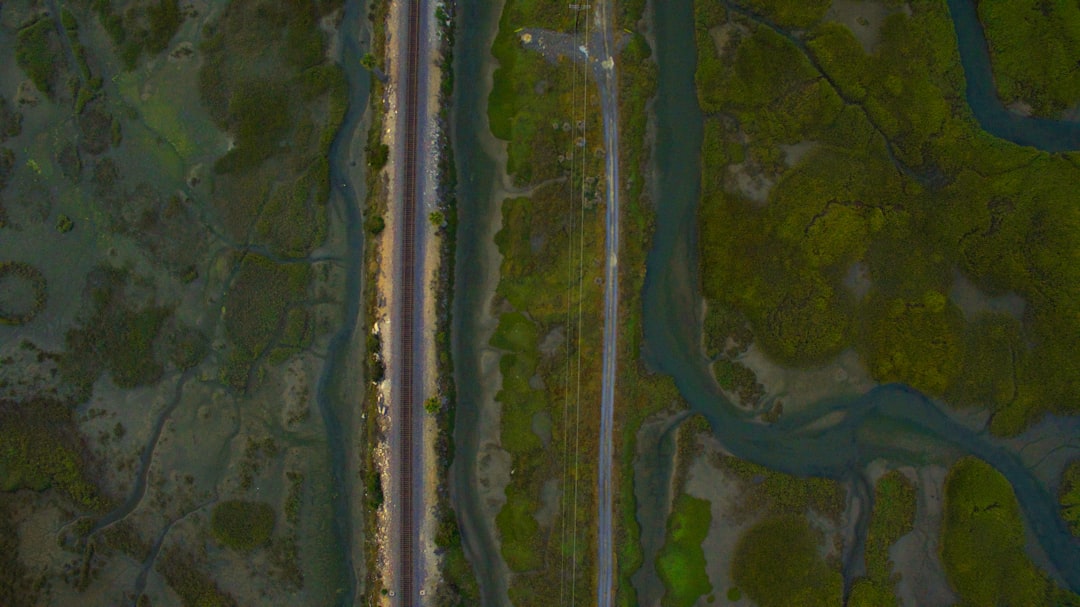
[332,407]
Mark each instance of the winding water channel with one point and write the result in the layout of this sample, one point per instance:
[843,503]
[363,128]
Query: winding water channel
[338,413]
[891,422]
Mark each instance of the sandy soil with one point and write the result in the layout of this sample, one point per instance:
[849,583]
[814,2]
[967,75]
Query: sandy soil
[384,287]
[864,19]
[797,388]
[915,556]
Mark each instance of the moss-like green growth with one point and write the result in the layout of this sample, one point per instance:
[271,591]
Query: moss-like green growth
[1070,496]
[186,347]
[530,96]
[518,530]
[982,542]
[10,121]
[777,564]
[145,27]
[188,578]
[23,292]
[64,224]
[16,587]
[258,117]
[41,448]
[258,301]
[118,336]
[780,493]
[932,195]
[681,562]
[892,518]
[38,54]
[281,117]
[1033,47]
[242,525]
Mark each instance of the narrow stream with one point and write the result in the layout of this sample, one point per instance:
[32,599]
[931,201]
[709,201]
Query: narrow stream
[350,195]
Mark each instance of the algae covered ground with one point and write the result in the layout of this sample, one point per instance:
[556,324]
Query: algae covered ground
[171,273]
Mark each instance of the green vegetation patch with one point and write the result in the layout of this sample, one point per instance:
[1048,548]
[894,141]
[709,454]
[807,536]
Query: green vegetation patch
[983,545]
[10,121]
[23,292]
[188,578]
[1070,496]
[519,531]
[145,27]
[16,586]
[533,101]
[258,301]
[779,493]
[1034,45]
[777,563]
[266,81]
[40,448]
[932,195]
[681,562]
[892,518]
[242,525]
[38,54]
[119,334]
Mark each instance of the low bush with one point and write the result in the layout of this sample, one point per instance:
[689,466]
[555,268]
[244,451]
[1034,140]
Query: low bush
[242,525]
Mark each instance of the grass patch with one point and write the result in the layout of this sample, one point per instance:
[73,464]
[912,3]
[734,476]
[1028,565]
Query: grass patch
[242,525]
[681,562]
[892,518]
[23,292]
[982,542]
[1033,48]
[779,493]
[258,300]
[189,580]
[1069,496]
[40,448]
[119,336]
[933,195]
[38,54]
[776,563]
[143,28]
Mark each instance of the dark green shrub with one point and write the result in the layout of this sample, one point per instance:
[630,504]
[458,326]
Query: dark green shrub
[37,54]
[242,525]
[23,292]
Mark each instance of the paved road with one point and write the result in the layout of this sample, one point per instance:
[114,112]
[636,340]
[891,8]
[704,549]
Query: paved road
[603,64]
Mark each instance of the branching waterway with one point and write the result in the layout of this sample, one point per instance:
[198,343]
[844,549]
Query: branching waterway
[891,422]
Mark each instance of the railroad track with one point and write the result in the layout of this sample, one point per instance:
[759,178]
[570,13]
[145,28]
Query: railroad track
[407,403]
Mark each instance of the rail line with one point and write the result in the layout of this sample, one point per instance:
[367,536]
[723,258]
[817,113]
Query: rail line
[407,585]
